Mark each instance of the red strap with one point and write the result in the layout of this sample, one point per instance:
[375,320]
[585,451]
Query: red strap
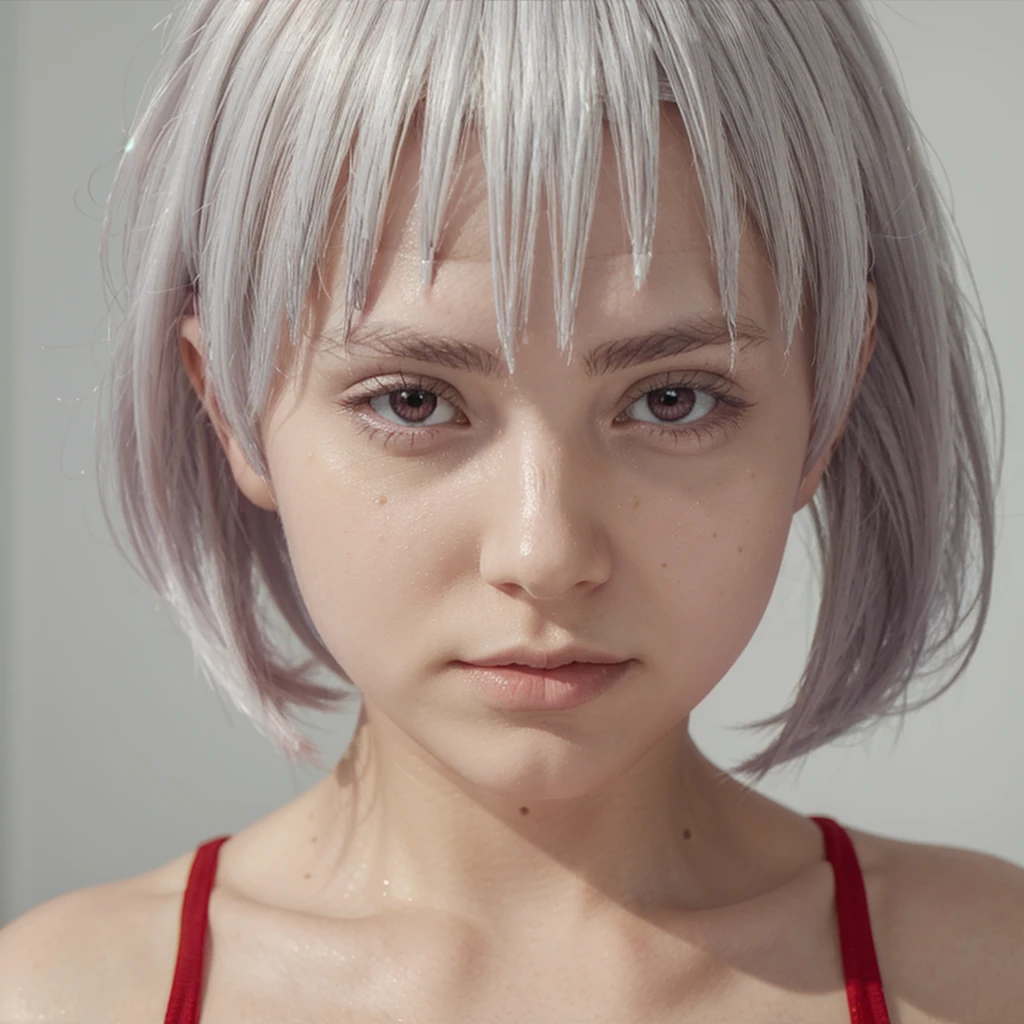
[183,1007]
[860,964]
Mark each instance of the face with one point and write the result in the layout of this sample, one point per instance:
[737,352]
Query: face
[643,512]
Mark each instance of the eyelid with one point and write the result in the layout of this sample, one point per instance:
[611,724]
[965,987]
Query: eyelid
[665,378]
[720,386]
[397,381]
[728,413]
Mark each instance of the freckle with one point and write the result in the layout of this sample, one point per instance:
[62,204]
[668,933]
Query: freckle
[307,875]
[524,810]
[313,840]
[382,500]
[715,535]
[636,503]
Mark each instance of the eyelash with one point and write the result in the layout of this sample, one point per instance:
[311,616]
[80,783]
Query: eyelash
[727,412]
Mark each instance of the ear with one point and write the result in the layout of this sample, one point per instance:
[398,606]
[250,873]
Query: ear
[817,471]
[190,347]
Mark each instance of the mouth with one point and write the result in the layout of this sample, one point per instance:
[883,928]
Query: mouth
[522,688]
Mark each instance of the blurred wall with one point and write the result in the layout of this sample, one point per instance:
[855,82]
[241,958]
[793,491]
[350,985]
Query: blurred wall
[8,361]
[116,757]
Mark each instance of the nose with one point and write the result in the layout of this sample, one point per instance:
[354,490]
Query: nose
[542,523]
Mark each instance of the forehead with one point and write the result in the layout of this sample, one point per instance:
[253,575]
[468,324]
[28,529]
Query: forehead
[680,228]
[682,278]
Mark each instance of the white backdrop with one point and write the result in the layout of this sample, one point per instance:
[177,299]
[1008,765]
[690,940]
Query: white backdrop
[116,757]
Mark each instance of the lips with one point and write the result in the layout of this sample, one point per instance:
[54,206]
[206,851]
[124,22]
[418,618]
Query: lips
[540,659]
[574,671]
[523,688]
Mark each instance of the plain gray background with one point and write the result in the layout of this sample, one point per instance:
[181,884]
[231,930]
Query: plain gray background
[116,757]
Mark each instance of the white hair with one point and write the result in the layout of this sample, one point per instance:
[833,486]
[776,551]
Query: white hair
[230,185]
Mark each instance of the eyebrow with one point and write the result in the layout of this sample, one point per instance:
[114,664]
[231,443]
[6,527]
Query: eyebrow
[390,338]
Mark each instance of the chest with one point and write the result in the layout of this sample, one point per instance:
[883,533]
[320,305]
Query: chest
[403,993]
[728,1000]
[373,975]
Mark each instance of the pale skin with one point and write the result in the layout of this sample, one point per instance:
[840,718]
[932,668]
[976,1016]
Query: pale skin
[470,865]
[542,522]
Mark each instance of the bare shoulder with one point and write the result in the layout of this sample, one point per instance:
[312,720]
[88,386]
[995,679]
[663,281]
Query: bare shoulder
[950,934]
[66,958]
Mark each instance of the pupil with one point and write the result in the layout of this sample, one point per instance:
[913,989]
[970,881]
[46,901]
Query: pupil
[412,400]
[671,398]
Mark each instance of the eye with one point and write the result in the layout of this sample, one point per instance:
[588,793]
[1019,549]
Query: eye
[683,408]
[412,405]
[675,405]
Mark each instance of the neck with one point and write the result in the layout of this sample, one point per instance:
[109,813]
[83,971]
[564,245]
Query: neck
[671,834]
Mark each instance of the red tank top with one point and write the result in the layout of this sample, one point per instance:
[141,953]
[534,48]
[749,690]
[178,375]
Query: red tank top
[860,965]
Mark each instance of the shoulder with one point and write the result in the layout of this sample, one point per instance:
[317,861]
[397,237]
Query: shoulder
[78,955]
[949,933]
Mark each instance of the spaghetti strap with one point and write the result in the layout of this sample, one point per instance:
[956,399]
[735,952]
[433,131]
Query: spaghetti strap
[186,988]
[860,964]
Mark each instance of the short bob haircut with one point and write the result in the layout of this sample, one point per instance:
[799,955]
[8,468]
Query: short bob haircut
[233,175]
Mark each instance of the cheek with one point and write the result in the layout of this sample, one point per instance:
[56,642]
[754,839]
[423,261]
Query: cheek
[714,571]
[373,562]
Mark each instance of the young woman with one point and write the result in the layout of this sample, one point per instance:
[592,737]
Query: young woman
[527,498]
